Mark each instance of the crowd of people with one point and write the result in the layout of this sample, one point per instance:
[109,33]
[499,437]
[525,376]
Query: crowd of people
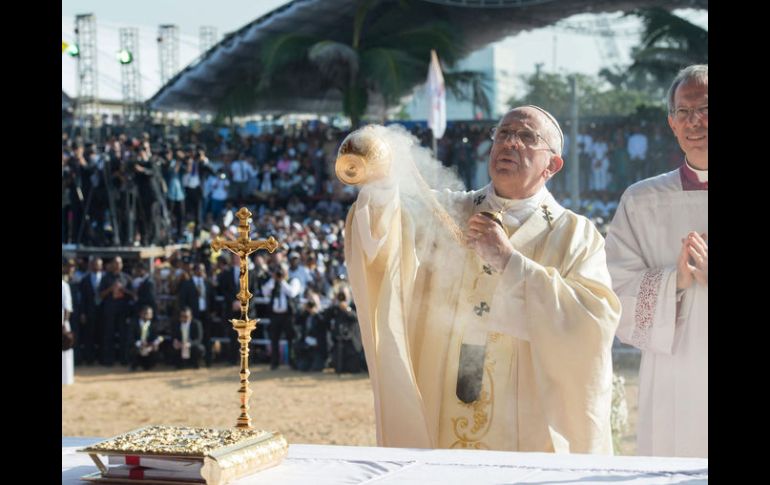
[145,190]
[156,189]
[133,315]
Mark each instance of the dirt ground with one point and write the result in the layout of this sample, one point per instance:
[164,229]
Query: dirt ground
[308,408]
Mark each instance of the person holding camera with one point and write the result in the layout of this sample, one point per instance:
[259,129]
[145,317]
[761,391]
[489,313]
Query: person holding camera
[283,294]
[311,348]
[216,189]
[116,294]
[348,353]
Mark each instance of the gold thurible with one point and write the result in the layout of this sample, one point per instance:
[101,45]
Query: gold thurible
[243,246]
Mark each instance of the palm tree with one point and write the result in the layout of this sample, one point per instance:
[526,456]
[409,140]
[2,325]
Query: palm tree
[470,86]
[669,43]
[386,56]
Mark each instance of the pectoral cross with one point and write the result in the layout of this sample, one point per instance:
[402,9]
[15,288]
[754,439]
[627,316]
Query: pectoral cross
[243,246]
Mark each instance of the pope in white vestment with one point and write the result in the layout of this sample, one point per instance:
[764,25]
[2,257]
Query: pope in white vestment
[657,254]
[538,303]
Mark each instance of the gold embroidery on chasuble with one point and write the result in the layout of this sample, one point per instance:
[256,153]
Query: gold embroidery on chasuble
[477,424]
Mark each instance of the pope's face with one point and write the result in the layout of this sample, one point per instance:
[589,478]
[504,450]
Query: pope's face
[519,168]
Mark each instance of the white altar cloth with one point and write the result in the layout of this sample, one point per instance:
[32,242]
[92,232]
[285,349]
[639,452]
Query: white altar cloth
[326,464]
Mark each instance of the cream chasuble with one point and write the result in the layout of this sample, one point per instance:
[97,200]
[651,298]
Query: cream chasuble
[547,320]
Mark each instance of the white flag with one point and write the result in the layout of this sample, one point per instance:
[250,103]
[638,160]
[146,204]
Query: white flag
[436,97]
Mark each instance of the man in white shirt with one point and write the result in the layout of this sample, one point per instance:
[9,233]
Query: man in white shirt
[637,153]
[241,171]
[657,253]
[600,165]
[283,306]
[298,270]
[216,191]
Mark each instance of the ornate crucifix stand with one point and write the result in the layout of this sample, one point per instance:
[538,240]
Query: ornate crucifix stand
[243,246]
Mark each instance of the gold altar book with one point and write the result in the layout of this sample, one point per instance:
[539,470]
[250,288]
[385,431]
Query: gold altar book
[181,455]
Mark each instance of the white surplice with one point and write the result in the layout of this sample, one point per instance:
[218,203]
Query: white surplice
[643,246]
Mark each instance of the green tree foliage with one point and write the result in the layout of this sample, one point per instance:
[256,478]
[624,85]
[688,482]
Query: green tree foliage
[387,55]
[596,97]
[669,43]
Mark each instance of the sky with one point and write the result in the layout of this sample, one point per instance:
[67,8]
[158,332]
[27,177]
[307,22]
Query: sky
[557,49]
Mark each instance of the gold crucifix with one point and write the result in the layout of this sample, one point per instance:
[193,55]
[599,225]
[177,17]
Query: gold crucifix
[243,246]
